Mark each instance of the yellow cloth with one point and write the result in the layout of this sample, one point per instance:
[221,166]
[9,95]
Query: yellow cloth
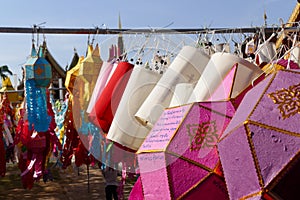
[89,71]
[72,75]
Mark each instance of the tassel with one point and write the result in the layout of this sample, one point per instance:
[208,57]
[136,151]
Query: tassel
[37,107]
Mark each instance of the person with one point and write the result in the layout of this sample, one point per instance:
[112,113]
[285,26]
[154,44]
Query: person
[111,183]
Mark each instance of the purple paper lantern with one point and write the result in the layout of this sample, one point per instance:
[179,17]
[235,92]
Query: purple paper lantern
[179,158]
[259,149]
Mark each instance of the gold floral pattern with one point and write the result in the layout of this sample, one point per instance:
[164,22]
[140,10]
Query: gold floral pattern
[202,135]
[288,100]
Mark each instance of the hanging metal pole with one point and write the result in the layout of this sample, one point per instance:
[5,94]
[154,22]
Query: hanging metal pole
[137,31]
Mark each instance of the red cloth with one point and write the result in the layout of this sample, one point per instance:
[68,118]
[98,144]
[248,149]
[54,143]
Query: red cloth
[83,156]
[35,148]
[2,157]
[72,138]
[111,95]
[25,133]
[27,179]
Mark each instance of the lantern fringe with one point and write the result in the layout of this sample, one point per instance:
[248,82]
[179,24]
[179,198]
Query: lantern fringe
[37,107]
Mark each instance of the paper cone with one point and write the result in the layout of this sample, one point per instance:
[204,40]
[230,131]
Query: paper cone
[89,71]
[125,129]
[111,95]
[72,75]
[182,93]
[235,82]
[216,70]
[186,68]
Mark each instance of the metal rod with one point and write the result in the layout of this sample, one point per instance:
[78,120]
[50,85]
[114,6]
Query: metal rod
[137,31]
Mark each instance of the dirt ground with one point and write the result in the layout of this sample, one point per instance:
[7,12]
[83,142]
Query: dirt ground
[69,184]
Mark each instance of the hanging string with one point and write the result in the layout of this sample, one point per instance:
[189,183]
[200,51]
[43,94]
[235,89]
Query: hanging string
[36,30]
[94,36]
[33,32]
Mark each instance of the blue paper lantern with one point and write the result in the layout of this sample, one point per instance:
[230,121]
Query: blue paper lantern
[37,79]
[37,68]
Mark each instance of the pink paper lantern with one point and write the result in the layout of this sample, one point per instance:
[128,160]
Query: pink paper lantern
[231,87]
[236,81]
[179,158]
[137,191]
[259,149]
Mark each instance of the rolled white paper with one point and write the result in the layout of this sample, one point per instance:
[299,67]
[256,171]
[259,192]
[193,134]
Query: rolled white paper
[182,93]
[186,68]
[216,70]
[125,129]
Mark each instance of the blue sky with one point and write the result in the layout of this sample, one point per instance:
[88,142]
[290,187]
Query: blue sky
[134,14]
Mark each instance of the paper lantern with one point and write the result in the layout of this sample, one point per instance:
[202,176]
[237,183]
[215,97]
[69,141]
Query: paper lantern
[179,158]
[100,84]
[181,94]
[91,65]
[72,75]
[233,87]
[38,68]
[37,78]
[236,83]
[125,129]
[185,68]
[88,72]
[111,95]
[218,67]
[259,149]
